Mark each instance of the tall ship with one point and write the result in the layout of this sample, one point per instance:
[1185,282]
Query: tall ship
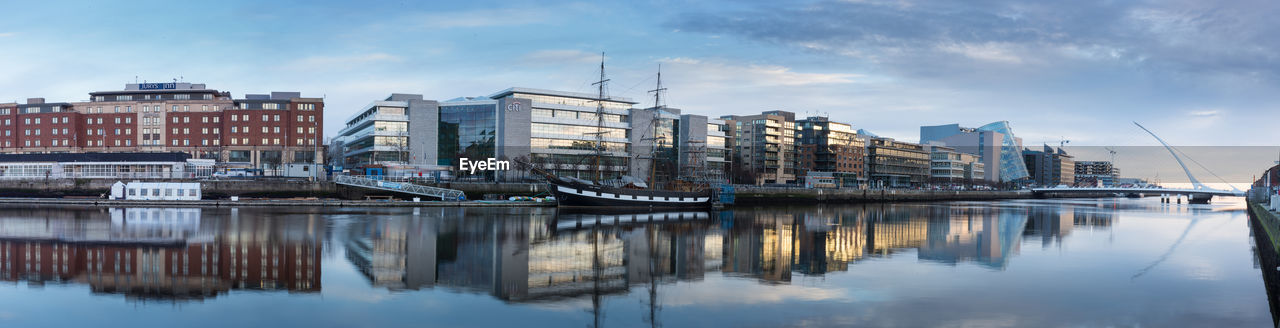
[627,191]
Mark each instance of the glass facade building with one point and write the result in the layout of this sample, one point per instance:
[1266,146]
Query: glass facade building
[467,130]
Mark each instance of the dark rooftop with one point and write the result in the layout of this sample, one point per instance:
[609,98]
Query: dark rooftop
[95,157]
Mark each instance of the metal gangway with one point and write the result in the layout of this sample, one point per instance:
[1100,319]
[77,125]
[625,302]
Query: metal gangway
[404,187]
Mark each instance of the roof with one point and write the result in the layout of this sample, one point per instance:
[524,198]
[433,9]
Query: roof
[568,94]
[95,157]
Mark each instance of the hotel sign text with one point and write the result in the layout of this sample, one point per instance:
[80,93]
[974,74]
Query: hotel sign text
[157,86]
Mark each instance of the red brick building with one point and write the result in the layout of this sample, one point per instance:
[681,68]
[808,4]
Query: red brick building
[261,131]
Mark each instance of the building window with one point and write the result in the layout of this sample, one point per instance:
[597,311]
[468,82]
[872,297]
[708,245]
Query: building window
[186,130]
[128,120]
[270,106]
[233,141]
[264,129]
[311,118]
[37,120]
[99,120]
[275,141]
[175,119]
[234,118]
[234,130]
[117,120]
[264,118]
[216,119]
[174,108]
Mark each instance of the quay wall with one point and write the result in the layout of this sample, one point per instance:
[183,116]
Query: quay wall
[800,195]
[266,188]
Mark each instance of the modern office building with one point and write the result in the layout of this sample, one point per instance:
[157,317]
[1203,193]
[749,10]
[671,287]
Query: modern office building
[833,149]
[892,163]
[259,131]
[1049,166]
[553,130]
[995,144]
[381,133]
[1096,173]
[765,145]
[656,143]
[950,166]
[715,153]
[558,131]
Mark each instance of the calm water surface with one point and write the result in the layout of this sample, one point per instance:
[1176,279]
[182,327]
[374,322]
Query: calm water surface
[1032,263]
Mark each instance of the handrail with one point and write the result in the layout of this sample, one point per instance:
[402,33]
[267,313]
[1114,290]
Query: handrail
[442,193]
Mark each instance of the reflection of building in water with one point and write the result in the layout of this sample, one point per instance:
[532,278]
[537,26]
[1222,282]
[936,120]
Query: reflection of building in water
[827,243]
[985,235]
[160,253]
[894,227]
[760,247]
[516,258]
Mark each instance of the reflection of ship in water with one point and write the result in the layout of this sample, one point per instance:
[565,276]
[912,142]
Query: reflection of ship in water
[159,254]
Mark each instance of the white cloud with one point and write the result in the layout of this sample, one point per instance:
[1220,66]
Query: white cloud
[7,34]
[560,57]
[484,18]
[1205,113]
[341,62]
[732,75]
[988,51]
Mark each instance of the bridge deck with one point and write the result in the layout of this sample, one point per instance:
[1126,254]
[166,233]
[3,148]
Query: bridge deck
[1169,191]
[404,187]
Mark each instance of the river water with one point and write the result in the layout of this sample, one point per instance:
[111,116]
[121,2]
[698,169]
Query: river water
[1024,263]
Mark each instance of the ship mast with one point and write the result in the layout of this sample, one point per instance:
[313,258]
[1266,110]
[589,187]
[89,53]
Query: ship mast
[657,117]
[600,119]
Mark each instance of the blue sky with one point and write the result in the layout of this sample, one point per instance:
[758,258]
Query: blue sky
[1199,73]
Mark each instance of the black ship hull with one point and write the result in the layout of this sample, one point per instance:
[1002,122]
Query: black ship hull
[572,194]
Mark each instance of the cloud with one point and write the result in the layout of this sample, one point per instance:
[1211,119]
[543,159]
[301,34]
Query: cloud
[7,34]
[555,57]
[484,18]
[341,62]
[1178,35]
[716,72]
[1205,113]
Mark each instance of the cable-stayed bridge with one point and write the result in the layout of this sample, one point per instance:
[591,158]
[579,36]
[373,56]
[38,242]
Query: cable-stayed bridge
[1197,194]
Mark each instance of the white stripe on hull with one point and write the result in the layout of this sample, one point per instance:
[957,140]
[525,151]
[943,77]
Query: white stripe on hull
[609,196]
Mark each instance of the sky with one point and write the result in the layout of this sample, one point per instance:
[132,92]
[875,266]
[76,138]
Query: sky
[1199,73]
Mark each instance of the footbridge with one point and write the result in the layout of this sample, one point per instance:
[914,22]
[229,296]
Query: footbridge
[404,187]
[1197,196]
